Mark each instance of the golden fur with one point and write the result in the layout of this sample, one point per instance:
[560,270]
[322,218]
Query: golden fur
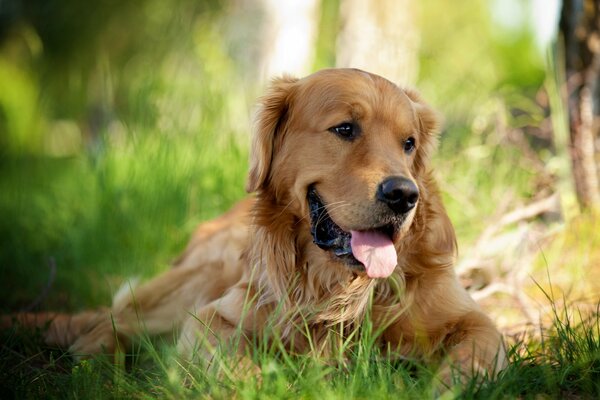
[257,265]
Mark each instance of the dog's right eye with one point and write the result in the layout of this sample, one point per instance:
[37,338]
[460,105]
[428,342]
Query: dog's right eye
[345,130]
[409,145]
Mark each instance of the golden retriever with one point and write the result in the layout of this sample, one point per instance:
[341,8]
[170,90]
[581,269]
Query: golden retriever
[346,223]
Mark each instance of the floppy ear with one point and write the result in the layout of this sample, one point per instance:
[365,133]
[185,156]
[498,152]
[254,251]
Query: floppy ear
[269,120]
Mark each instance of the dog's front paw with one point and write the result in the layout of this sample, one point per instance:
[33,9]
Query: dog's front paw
[464,364]
[102,339]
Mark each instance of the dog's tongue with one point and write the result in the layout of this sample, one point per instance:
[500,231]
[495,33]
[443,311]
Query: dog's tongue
[376,251]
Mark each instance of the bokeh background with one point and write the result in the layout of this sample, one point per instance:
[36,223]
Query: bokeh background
[123,124]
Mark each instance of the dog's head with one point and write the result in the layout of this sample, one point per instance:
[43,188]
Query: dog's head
[346,150]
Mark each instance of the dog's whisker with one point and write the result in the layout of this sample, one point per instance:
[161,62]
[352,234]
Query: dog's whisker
[326,211]
[321,209]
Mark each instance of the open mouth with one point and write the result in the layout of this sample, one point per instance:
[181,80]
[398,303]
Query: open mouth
[369,250]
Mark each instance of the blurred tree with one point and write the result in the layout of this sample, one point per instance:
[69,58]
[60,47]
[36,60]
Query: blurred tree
[580,28]
[380,37]
[289,37]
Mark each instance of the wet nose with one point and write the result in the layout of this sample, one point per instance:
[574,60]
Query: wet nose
[399,193]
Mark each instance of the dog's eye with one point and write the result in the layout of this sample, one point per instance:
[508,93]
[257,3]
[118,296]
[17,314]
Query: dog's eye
[409,145]
[345,130]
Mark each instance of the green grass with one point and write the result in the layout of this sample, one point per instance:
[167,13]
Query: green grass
[563,363]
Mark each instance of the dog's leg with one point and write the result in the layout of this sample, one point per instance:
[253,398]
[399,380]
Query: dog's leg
[443,319]
[208,266]
[228,321]
[474,347]
[59,329]
[155,307]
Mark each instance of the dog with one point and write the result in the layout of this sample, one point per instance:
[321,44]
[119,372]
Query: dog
[345,223]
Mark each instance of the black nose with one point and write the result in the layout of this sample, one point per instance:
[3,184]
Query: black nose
[400,194]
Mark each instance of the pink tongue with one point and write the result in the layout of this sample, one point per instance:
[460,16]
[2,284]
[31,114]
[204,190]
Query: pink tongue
[376,251]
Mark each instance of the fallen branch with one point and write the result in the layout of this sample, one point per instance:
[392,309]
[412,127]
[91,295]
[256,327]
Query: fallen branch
[502,258]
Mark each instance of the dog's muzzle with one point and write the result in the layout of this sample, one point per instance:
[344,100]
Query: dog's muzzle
[327,234]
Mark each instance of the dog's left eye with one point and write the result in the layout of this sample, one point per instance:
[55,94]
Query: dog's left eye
[409,145]
[345,130]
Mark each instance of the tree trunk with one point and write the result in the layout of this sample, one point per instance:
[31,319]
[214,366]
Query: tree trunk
[270,38]
[380,37]
[580,28]
[290,37]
